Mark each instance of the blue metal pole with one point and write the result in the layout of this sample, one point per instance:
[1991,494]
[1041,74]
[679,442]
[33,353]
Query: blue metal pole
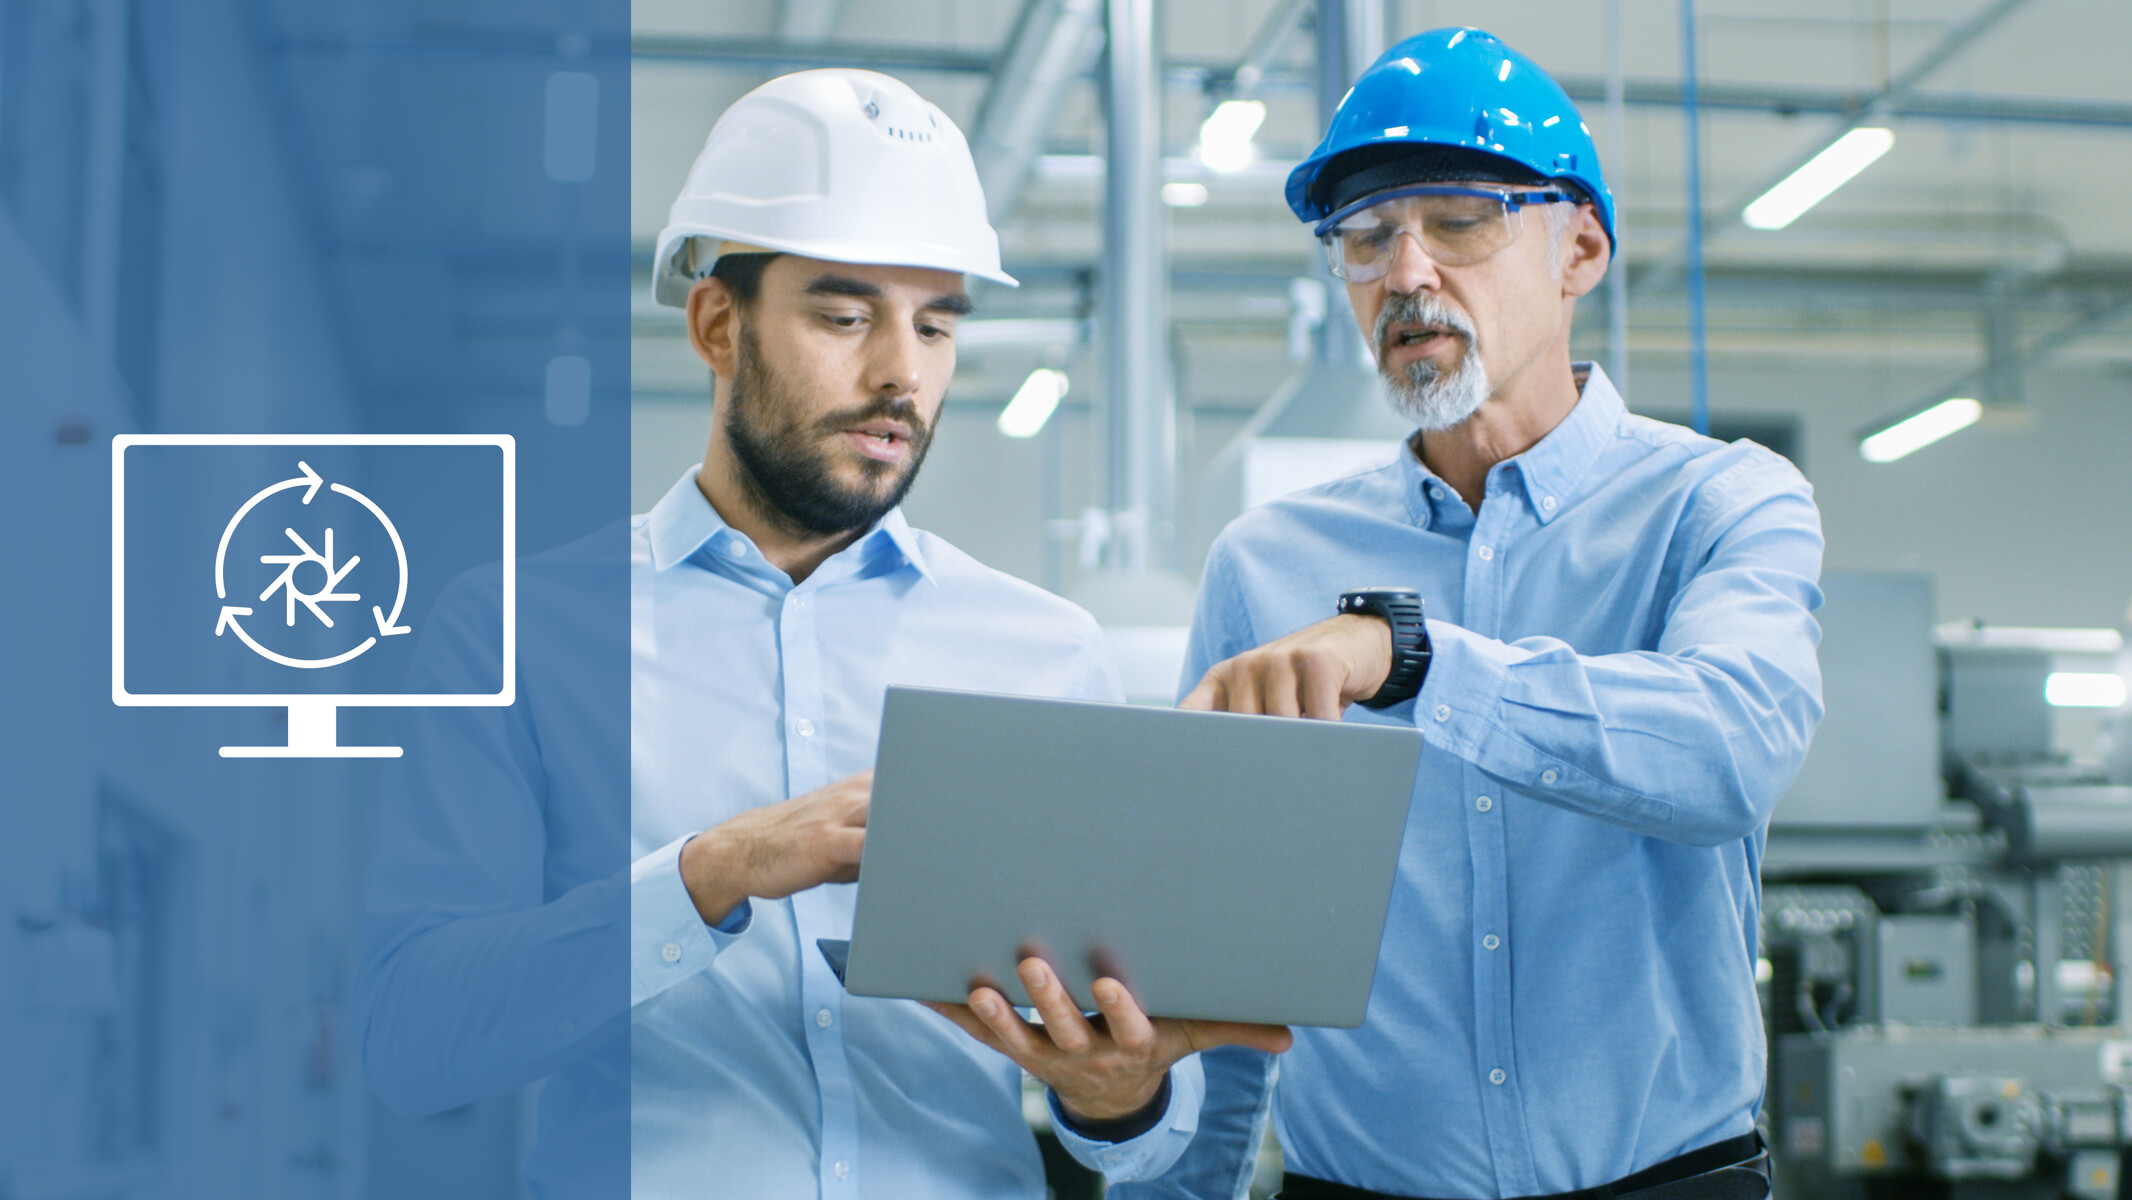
[1691,119]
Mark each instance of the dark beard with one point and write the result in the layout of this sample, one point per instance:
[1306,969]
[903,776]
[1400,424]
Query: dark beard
[787,470]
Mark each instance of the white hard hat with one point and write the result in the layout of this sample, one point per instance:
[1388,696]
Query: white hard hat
[843,165]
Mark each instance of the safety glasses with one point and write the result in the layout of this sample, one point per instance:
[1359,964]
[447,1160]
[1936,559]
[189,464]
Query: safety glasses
[1455,225]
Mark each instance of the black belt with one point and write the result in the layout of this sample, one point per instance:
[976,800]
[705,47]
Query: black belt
[1734,1169]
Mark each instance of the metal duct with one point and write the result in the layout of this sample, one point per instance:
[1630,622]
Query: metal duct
[1046,54]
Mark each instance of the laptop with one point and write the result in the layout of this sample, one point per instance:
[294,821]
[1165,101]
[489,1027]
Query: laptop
[1224,867]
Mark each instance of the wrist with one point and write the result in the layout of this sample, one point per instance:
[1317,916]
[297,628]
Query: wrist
[1399,612]
[1127,1123]
[709,874]
[1376,662]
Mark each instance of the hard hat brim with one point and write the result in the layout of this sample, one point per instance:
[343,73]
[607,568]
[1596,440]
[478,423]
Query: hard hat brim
[671,285]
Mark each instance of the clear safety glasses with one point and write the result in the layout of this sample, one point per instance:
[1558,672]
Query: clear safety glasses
[1455,225]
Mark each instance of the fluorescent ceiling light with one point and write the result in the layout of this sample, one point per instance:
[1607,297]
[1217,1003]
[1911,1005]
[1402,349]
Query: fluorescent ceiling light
[1225,136]
[1032,404]
[1184,195]
[2084,689]
[2053,640]
[1920,430]
[1824,173]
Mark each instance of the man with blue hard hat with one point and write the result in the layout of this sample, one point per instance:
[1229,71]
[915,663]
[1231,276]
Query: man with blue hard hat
[1602,624]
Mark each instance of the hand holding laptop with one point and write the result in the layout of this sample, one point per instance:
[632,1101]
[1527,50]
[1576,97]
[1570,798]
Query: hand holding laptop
[1104,1069]
[1229,872]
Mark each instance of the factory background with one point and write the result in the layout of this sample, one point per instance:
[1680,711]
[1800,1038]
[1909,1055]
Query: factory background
[1940,889]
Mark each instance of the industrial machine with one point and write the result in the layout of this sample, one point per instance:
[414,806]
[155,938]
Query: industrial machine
[1944,978]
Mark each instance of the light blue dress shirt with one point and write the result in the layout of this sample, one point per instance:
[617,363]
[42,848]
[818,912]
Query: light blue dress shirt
[753,1073]
[1624,685]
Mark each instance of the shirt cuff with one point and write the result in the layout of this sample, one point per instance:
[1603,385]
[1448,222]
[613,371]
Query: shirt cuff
[1152,1152]
[1458,702]
[668,940]
[1117,1129]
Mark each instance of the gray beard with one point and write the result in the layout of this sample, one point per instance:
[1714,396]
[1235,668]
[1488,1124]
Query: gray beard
[1425,396]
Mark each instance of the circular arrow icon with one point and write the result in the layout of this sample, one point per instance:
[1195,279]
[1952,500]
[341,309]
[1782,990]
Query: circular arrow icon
[314,602]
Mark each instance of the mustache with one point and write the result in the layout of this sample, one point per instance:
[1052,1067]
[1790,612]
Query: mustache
[893,408]
[1419,309]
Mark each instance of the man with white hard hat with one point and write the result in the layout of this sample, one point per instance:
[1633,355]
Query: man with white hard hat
[1602,624]
[819,248]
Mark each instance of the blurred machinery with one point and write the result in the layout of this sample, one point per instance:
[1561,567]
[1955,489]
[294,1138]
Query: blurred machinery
[1944,982]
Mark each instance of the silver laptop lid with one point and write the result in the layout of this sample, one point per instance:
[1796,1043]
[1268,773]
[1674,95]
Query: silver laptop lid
[1225,867]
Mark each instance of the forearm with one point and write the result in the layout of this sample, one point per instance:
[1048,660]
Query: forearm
[454,1008]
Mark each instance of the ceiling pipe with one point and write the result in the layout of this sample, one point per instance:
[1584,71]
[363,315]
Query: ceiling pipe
[1877,106]
[1047,52]
[1265,50]
[1142,423]
[1350,37]
[1198,75]
[2014,359]
[1617,272]
[1692,127]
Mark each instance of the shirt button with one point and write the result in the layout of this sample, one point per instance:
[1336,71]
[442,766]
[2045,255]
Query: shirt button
[1487,553]
[805,727]
[1443,712]
[1549,775]
[1548,503]
[736,548]
[799,602]
[842,1168]
[1491,942]
[1497,1077]
[566,1027]
[671,952]
[824,1018]
[1484,804]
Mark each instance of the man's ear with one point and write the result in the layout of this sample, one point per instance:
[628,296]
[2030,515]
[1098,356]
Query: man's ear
[714,325]
[1585,253]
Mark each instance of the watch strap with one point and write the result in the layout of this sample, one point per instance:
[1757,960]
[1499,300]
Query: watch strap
[1402,610]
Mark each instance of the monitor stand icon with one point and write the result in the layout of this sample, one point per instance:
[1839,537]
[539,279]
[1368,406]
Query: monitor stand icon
[310,590]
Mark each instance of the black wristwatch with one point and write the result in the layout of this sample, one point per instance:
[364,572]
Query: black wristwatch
[1401,609]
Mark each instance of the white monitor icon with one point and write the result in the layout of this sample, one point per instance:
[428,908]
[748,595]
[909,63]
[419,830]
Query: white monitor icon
[305,516]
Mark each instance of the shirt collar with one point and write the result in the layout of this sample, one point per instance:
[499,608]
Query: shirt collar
[899,534]
[1557,463]
[1551,469]
[683,522]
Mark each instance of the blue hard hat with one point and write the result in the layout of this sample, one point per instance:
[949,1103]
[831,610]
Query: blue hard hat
[1462,90]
